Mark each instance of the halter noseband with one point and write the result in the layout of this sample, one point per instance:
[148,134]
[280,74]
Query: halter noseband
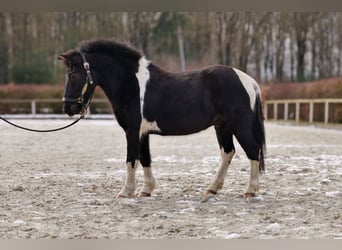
[89,81]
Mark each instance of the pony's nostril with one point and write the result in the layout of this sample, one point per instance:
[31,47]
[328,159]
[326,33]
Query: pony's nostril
[69,109]
[72,108]
[65,108]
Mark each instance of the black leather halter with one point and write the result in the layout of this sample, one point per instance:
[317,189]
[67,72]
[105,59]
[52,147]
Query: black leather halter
[89,81]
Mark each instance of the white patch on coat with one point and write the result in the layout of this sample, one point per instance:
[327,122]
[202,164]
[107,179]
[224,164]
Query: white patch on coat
[250,85]
[253,185]
[218,180]
[128,189]
[147,126]
[149,181]
[143,75]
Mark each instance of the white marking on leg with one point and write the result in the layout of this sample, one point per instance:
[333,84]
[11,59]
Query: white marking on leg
[253,185]
[147,126]
[218,181]
[250,85]
[149,182]
[129,187]
[143,75]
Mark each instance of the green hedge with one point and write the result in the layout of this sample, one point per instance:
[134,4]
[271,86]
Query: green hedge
[36,69]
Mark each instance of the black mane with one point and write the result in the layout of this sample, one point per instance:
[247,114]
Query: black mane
[110,46]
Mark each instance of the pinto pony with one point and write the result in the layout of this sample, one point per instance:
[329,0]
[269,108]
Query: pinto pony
[148,100]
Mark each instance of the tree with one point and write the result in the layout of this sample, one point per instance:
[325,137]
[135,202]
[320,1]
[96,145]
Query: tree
[3,51]
[141,27]
[250,28]
[270,46]
[227,25]
[282,29]
[302,23]
[168,30]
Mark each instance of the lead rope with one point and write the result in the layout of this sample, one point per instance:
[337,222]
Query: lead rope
[85,106]
[42,130]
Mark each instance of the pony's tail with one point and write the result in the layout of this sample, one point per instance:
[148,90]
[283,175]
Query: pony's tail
[259,132]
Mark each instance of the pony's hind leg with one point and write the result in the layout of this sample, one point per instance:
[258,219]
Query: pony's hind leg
[145,160]
[225,140]
[253,184]
[246,139]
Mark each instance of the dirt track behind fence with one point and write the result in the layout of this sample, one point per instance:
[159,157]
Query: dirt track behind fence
[63,185]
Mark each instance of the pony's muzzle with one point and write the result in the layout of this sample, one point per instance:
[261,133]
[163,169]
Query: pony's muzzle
[72,108]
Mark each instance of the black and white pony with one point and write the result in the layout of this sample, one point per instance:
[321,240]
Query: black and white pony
[148,100]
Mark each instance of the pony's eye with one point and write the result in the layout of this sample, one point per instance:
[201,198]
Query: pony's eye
[73,77]
[70,70]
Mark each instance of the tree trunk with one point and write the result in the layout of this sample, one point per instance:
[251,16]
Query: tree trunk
[3,51]
[303,23]
[313,59]
[301,50]
[220,38]
[9,44]
[181,47]
[292,61]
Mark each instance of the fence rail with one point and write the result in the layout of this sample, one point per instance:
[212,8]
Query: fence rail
[45,106]
[292,109]
[273,108]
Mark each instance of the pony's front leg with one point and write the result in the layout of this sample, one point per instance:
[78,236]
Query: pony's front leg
[145,160]
[132,137]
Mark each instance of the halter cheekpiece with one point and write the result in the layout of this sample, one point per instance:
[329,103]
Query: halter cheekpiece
[89,81]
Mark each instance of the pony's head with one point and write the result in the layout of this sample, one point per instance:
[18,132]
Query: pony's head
[79,85]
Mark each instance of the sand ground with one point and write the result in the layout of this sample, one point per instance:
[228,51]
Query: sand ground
[63,185]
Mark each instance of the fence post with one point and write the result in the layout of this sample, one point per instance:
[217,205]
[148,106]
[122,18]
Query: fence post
[286,111]
[297,111]
[266,110]
[311,112]
[33,107]
[275,110]
[326,112]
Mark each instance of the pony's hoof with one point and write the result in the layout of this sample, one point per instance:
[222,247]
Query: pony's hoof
[211,192]
[248,195]
[144,194]
[121,196]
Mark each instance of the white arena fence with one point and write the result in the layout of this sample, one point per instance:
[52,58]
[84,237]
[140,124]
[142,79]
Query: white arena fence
[49,109]
[308,110]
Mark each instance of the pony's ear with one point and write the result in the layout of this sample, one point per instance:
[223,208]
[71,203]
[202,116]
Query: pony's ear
[61,57]
[65,58]
[70,57]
